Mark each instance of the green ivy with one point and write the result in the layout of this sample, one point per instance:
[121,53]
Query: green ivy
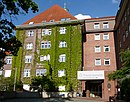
[73,52]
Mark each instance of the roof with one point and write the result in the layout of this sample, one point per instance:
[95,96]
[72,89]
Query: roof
[55,13]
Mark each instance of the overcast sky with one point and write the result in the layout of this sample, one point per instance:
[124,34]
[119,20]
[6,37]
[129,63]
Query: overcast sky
[79,8]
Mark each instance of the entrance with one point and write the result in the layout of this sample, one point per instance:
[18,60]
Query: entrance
[94,87]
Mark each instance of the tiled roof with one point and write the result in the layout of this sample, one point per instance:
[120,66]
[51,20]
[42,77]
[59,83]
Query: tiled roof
[55,13]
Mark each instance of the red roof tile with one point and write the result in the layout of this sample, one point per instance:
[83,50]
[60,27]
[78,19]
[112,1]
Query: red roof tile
[55,13]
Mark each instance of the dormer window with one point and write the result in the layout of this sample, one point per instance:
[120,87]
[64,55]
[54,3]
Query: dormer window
[31,23]
[52,20]
[44,21]
[65,19]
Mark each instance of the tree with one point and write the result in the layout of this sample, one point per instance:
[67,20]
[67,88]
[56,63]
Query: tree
[46,83]
[9,44]
[125,70]
[123,75]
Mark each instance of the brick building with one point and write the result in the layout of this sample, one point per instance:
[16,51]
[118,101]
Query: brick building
[122,29]
[98,57]
[49,49]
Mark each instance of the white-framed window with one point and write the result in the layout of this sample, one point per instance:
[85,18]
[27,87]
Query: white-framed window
[106,48]
[41,72]
[29,46]
[8,60]
[31,33]
[97,36]
[62,44]
[46,32]
[30,23]
[62,58]
[105,25]
[97,49]
[62,30]
[96,26]
[45,58]
[28,59]
[97,61]
[61,73]
[106,61]
[27,72]
[105,36]
[45,44]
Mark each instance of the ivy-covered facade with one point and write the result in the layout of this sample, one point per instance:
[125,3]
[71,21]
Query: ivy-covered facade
[50,49]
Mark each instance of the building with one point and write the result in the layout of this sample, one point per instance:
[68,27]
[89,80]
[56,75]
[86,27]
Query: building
[122,29]
[52,45]
[99,58]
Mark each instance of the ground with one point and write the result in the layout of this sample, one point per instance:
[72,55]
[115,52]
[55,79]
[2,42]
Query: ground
[49,100]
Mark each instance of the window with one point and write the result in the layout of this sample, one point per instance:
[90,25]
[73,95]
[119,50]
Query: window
[123,37]
[106,48]
[29,46]
[97,62]
[61,73]
[65,19]
[105,36]
[30,33]
[45,58]
[129,27]
[106,61]
[96,26]
[31,23]
[97,49]
[26,72]
[9,60]
[62,44]
[52,20]
[45,44]
[105,25]
[62,30]
[28,59]
[97,37]
[46,32]
[126,33]
[41,72]
[62,58]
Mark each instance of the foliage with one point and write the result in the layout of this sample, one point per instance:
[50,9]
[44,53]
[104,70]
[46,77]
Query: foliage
[46,83]
[6,84]
[9,44]
[73,53]
[125,70]
[125,89]
[123,75]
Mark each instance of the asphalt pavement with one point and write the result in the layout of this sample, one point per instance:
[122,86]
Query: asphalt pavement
[49,100]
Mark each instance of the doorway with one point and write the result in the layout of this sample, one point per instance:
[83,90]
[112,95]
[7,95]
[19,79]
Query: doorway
[94,87]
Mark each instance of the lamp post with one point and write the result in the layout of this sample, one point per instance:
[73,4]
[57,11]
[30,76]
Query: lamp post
[15,79]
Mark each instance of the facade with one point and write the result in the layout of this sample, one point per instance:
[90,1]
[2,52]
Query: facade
[74,53]
[51,47]
[122,29]
[98,58]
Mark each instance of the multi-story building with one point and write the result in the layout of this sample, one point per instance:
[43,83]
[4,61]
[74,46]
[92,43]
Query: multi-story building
[122,29]
[98,57]
[56,43]
[51,46]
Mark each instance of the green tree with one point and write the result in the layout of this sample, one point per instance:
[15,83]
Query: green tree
[6,84]
[9,9]
[125,70]
[123,75]
[45,82]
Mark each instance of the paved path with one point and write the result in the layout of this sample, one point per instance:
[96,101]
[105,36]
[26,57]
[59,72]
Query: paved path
[50,100]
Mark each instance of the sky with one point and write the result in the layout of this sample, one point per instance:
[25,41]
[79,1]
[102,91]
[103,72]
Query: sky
[82,8]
